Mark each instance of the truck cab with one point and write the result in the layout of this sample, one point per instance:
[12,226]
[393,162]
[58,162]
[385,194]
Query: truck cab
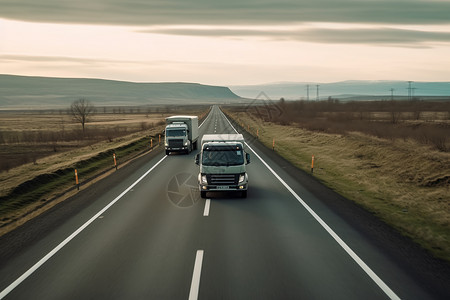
[181,134]
[222,162]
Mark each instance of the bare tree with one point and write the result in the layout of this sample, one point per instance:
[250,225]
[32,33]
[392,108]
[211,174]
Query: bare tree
[81,109]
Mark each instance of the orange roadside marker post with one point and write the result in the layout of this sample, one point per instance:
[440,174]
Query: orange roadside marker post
[115,162]
[273,145]
[76,180]
[312,164]
[159,141]
[151,143]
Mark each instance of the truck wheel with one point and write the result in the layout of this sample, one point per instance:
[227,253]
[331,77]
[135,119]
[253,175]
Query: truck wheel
[167,152]
[203,194]
[244,194]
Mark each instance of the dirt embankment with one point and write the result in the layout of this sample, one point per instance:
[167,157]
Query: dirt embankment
[403,182]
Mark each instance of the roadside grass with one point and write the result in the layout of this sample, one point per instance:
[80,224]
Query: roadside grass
[31,188]
[402,182]
[41,190]
[29,137]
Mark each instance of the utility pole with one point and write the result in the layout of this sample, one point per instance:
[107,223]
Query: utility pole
[409,91]
[392,94]
[413,91]
[317,86]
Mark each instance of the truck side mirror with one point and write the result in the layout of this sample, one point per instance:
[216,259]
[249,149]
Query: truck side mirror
[197,159]
[247,157]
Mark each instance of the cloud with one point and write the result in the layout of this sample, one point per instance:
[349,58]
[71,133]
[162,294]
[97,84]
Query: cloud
[206,12]
[10,58]
[49,60]
[33,58]
[374,36]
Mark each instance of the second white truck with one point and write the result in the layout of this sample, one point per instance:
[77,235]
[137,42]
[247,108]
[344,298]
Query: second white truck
[181,134]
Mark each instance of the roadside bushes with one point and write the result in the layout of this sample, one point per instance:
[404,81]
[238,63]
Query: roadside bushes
[22,147]
[424,121]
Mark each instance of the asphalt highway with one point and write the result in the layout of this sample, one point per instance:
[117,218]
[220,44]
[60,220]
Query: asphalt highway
[145,233]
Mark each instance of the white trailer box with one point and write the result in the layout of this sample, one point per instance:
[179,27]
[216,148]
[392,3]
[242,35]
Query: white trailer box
[190,121]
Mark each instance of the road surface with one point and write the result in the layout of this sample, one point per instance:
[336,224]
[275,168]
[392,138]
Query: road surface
[145,233]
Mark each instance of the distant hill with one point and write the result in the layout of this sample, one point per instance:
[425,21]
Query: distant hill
[46,92]
[365,90]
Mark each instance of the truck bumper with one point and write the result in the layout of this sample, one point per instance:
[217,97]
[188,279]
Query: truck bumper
[222,188]
[185,148]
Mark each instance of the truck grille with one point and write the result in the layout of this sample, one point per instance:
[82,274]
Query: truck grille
[176,143]
[223,179]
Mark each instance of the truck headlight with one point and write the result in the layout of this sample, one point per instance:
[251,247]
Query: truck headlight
[241,178]
[186,143]
[204,179]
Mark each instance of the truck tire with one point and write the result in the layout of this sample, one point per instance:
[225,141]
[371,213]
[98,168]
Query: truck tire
[203,194]
[167,152]
[244,194]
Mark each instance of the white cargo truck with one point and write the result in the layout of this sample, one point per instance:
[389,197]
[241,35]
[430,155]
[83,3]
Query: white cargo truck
[181,134]
[222,162]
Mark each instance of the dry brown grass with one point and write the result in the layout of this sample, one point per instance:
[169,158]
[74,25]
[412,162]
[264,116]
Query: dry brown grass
[51,164]
[75,152]
[403,182]
[424,121]
[28,137]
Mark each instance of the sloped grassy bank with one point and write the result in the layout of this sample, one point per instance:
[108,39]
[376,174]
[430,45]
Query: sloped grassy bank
[28,190]
[43,189]
[401,182]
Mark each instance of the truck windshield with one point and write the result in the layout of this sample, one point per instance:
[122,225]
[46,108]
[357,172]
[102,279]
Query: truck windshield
[223,156]
[176,132]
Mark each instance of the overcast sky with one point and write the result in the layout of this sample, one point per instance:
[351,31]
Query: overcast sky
[227,42]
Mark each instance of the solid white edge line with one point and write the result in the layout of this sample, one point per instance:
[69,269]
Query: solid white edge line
[205,119]
[347,249]
[195,284]
[43,260]
[207,205]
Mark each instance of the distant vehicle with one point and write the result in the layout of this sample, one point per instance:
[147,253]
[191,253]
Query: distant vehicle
[222,162]
[181,134]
